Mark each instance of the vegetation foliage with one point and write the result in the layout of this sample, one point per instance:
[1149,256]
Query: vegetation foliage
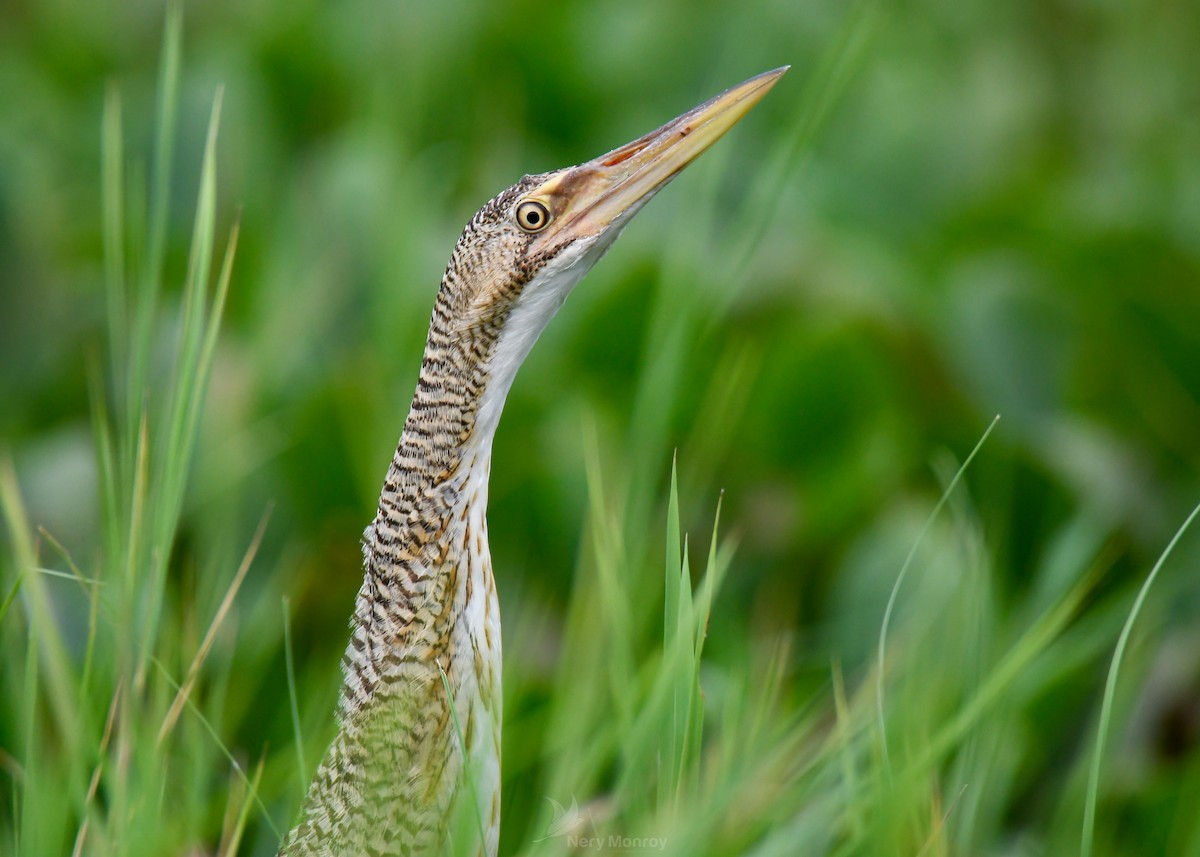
[773,579]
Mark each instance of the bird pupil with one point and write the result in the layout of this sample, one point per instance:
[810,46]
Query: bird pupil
[533,217]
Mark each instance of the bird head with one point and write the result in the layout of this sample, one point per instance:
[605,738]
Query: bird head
[526,249]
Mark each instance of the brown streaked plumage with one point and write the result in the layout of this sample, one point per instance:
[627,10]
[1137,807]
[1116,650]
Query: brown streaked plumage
[424,653]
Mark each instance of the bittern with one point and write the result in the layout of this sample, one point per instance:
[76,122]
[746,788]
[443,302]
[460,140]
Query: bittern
[416,760]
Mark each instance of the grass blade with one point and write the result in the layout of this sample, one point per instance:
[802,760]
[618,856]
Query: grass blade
[214,626]
[881,654]
[1110,689]
[302,768]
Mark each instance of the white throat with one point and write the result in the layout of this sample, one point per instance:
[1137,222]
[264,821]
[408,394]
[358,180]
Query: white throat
[539,301]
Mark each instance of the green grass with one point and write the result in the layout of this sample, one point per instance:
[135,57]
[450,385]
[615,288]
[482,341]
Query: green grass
[762,592]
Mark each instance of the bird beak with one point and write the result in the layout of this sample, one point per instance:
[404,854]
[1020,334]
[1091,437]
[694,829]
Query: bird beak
[590,198]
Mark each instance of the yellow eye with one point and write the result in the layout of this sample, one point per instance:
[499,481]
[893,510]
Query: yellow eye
[532,216]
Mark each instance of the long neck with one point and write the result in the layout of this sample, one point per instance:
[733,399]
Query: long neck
[426,621]
[439,434]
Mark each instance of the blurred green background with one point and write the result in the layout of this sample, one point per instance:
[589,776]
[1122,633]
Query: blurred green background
[946,211]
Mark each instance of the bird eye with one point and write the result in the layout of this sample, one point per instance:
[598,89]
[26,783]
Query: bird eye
[532,216]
